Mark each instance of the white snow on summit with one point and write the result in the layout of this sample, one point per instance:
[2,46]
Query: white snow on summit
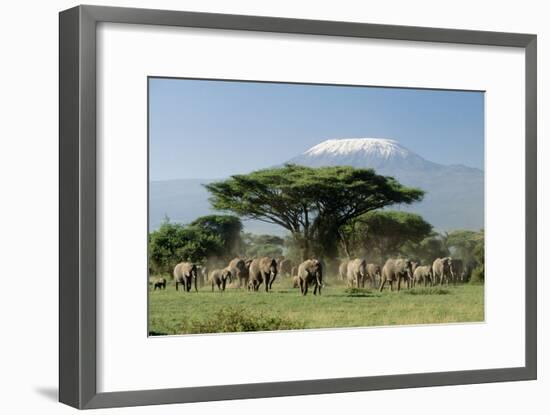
[378,147]
[454,194]
[378,153]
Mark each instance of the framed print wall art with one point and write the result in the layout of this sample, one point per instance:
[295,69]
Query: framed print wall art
[258,207]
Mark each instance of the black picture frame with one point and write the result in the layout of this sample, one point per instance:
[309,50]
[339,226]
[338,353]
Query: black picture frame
[77,206]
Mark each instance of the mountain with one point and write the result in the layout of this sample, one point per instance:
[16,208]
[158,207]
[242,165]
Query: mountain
[184,200]
[454,193]
[180,200]
[376,153]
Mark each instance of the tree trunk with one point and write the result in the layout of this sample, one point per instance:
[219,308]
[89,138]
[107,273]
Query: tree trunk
[306,246]
[345,244]
[303,242]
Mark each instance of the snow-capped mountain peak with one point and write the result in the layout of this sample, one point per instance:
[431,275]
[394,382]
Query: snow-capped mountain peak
[454,194]
[378,147]
[377,153]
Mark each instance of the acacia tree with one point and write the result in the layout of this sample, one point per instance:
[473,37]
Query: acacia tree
[227,227]
[431,247]
[262,245]
[463,243]
[309,202]
[478,274]
[206,237]
[385,232]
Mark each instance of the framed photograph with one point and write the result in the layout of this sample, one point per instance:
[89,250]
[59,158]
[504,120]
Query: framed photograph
[258,207]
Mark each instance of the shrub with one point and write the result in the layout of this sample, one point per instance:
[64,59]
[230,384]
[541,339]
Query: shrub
[239,319]
[207,236]
[427,291]
[478,275]
[358,292]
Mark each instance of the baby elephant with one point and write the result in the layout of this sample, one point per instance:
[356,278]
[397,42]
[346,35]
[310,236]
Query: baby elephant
[374,274]
[357,272]
[159,283]
[219,277]
[424,274]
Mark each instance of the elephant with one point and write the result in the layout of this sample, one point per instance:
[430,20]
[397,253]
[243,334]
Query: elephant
[310,271]
[159,283]
[184,274]
[343,270]
[219,277]
[263,270]
[285,267]
[356,272]
[239,271]
[458,270]
[396,270]
[443,270]
[374,274]
[423,273]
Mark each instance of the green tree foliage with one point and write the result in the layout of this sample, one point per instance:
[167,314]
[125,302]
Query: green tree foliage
[463,243]
[312,203]
[384,233]
[227,227]
[293,249]
[262,245]
[432,247]
[205,237]
[470,247]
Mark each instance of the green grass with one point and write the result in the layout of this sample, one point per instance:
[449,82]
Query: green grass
[234,310]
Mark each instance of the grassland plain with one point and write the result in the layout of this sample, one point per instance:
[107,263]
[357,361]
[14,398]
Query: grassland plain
[177,312]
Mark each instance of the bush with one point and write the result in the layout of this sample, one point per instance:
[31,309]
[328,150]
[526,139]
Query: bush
[478,275]
[358,292]
[239,319]
[427,291]
[208,236]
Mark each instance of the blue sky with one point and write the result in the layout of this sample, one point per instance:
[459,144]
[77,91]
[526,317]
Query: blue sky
[212,129]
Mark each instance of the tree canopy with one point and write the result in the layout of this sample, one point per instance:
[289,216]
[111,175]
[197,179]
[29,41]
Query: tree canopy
[463,243]
[429,248]
[309,202]
[384,232]
[227,227]
[470,247]
[208,236]
[262,245]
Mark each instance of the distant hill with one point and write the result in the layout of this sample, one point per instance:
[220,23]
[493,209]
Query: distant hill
[454,194]
[454,199]
[184,200]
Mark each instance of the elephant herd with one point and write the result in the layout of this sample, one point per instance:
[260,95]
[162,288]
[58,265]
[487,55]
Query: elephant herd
[252,273]
[443,270]
[249,273]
